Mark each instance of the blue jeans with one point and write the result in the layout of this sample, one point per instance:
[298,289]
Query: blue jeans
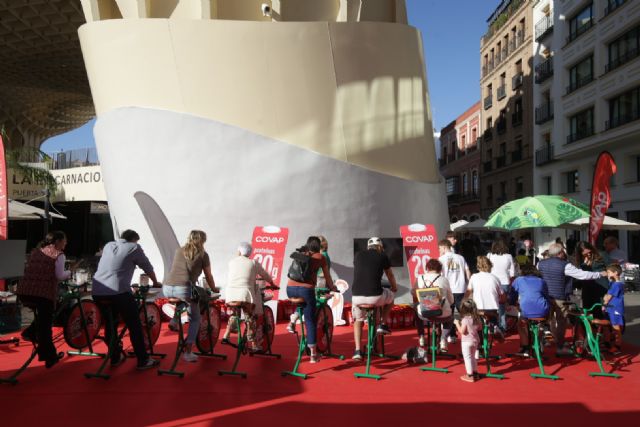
[309,296]
[502,309]
[184,293]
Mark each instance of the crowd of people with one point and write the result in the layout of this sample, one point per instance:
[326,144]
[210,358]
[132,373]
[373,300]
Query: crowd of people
[540,287]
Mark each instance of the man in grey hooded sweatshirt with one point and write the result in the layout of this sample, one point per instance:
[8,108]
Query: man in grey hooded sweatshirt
[112,284]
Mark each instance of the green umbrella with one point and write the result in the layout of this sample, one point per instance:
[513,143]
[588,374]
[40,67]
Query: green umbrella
[537,211]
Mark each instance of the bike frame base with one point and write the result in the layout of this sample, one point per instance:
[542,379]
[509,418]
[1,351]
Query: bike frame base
[13,379]
[604,374]
[216,355]
[371,376]
[85,353]
[546,376]
[236,373]
[302,346]
[240,346]
[435,369]
[154,355]
[264,354]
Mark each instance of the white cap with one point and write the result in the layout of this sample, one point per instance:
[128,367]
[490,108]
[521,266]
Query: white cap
[374,241]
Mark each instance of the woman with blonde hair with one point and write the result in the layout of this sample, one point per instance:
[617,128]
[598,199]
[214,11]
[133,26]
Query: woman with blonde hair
[189,262]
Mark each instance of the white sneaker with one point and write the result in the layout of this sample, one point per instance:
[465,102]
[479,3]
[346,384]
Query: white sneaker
[444,347]
[451,340]
[190,357]
[421,341]
[477,355]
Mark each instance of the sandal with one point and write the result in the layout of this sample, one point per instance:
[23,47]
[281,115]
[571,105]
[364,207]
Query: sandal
[468,378]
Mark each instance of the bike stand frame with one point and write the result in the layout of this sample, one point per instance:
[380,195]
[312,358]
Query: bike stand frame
[371,339]
[114,344]
[242,344]
[431,325]
[302,346]
[181,307]
[534,329]
[487,342]
[13,379]
[594,345]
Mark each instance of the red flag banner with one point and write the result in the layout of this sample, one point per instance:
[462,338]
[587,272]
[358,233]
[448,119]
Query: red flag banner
[420,244]
[4,201]
[600,196]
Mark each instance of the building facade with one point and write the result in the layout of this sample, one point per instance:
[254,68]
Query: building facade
[587,100]
[507,104]
[460,164]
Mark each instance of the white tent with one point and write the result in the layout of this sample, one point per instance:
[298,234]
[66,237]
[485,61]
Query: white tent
[609,223]
[23,211]
[478,225]
[458,224]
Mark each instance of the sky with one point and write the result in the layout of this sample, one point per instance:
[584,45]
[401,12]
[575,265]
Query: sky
[451,32]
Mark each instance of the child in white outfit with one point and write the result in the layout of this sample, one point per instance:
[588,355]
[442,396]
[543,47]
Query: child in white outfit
[468,329]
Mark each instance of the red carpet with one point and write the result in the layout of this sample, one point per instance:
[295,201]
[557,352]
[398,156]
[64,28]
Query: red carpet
[330,397]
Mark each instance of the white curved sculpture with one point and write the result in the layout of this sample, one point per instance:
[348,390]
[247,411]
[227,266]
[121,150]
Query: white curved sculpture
[321,127]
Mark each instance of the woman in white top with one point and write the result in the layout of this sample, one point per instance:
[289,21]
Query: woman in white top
[242,287]
[504,268]
[434,278]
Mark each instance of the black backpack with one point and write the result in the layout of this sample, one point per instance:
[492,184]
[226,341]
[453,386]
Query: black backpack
[300,269]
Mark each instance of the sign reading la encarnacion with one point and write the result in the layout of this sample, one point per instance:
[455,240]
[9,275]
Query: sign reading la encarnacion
[75,184]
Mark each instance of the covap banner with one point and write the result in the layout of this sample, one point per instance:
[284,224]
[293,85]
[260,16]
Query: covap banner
[269,246]
[420,243]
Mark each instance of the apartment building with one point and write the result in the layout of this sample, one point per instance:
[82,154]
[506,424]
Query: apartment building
[587,100]
[460,164]
[507,105]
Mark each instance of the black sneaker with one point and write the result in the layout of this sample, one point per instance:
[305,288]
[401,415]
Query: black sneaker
[357,355]
[50,362]
[225,341]
[150,363]
[523,352]
[383,329]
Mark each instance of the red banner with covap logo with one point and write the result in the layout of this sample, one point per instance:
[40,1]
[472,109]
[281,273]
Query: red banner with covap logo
[269,246]
[600,195]
[420,243]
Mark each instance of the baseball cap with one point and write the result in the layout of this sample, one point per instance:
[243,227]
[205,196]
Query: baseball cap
[374,241]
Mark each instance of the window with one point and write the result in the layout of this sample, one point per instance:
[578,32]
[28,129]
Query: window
[572,181]
[503,191]
[501,124]
[637,168]
[623,49]
[581,125]
[580,74]
[516,117]
[452,185]
[613,5]
[488,100]
[519,186]
[580,23]
[475,183]
[464,142]
[623,109]
[465,183]
[518,78]
[489,194]
[502,91]
[474,135]
[546,185]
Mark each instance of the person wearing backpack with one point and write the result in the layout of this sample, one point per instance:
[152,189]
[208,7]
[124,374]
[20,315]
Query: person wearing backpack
[433,278]
[303,276]
[368,267]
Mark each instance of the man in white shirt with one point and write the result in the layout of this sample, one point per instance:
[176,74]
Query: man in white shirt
[455,269]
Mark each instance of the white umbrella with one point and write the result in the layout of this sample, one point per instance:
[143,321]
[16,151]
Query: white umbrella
[23,211]
[457,224]
[610,223]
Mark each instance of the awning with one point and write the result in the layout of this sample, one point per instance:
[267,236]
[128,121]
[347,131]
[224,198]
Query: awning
[23,211]
[610,223]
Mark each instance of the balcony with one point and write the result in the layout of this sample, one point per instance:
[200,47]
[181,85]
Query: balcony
[472,196]
[544,70]
[517,80]
[544,27]
[501,92]
[501,126]
[487,166]
[580,31]
[580,134]
[622,119]
[613,5]
[575,85]
[501,161]
[544,113]
[487,135]
[544,155]
[622,59]
[516,118]
[488,102]
[499,20]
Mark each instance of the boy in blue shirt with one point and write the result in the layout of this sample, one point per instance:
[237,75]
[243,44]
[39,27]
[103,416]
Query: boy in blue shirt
[533,296]
[614,303]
